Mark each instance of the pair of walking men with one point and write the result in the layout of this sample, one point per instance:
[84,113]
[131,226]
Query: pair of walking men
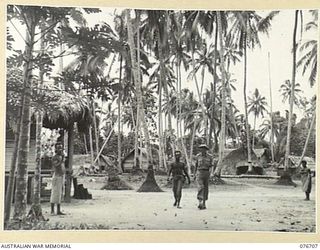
[203,169]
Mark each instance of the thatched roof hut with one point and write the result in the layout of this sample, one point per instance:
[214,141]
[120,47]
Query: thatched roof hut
[61,110]
[236,162]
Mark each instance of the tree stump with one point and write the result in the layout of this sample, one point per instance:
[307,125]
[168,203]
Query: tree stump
[150,184]
[35,213]
[115,182]
[286,180]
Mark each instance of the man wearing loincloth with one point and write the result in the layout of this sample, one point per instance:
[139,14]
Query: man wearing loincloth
[58,177]
[306,179]
[179,172]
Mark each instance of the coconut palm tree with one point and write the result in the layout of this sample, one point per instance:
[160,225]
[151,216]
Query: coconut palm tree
[36,211]
[308,61]
[31,21]
[292,94]
[223,97]
[180,57]
[286,90]
[150,183]
[257,106]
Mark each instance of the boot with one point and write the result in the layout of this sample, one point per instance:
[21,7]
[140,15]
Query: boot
[52,208]
[59,210]
[204,205]
[178,204]
[200,204]
[175,203]
[307,196]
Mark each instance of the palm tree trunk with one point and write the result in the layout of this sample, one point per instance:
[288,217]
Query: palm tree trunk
[96,134]
[271,113]
[22,174]
[36,211]
[199,91]
[136,164]
[85,143]
[178,107]
[160,127]
[223,101]
[91,145]
[119,115]
[293,82]
[70,163]
[250,168]
[184,150]
[10,187]
[215,88]
[160,102]
[170,129]
[205,122]
[254,131]
[150,183]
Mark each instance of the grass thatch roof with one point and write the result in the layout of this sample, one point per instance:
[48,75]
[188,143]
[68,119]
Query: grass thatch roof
[65,109]
[61,109]
[236,158]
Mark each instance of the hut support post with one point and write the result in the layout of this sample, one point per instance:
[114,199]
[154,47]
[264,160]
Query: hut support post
[70,162]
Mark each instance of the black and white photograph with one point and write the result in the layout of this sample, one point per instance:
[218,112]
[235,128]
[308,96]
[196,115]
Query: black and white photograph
[160,119]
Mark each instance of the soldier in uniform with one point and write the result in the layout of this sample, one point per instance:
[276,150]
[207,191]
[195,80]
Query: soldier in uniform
[57,178]
[204,166]
[179,172]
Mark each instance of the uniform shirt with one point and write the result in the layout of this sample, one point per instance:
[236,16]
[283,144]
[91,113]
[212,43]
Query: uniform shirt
[204,162]
[177,168]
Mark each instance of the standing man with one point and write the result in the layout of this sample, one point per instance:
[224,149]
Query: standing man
[179,172]
[58,177]
[306,179]
[204,166]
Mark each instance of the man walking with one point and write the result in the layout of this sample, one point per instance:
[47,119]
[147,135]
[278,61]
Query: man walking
[306,179]
[57,178]
[204,166]
[179,172]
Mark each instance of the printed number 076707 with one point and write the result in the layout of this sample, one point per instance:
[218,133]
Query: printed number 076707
[308,246]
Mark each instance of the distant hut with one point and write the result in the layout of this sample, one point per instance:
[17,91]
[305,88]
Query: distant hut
[236,163]
[128,161]
[293,165]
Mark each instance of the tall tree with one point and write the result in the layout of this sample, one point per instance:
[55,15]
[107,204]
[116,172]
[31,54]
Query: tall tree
[35,210]
[223,106]
[271,113]
[150,183]
[257,105]
[293,85]
[31,21]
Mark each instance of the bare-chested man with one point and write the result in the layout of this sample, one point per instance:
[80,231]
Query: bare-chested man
[179,172]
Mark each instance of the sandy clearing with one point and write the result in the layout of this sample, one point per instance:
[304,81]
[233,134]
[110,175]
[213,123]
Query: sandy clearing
[241,205]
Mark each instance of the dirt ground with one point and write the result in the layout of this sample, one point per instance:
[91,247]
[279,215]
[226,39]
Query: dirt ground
[239,205]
